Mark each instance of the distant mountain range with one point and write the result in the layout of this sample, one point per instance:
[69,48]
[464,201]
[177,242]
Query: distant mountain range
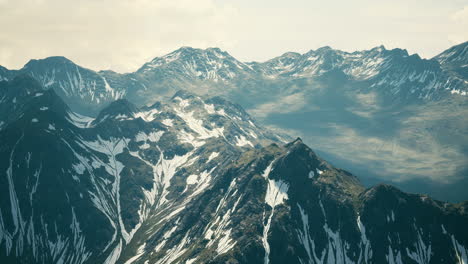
[394,72]
[194,179]
[383,114]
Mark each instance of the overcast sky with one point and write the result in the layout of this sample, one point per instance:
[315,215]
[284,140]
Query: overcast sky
[123,34]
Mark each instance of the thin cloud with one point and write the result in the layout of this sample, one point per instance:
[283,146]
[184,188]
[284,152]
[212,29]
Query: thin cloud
[287,104]
[392,158]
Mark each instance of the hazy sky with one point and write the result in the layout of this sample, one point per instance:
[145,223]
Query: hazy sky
[123,34]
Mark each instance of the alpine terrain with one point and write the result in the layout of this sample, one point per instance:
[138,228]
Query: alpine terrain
[386,115]
[195,179]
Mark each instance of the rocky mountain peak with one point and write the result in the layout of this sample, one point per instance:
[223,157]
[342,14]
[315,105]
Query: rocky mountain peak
[379,48]
[455,54]
[288,56]
[455,60]
[382,190]
[297,141]
[54,61]
[398,52]
[324,49]
[296,165]
[203,64]
[188,54]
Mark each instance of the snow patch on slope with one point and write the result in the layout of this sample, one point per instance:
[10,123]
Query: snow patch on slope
[277,192]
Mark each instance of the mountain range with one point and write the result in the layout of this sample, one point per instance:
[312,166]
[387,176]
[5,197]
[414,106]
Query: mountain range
[395,73]
[383,114]
[194,179]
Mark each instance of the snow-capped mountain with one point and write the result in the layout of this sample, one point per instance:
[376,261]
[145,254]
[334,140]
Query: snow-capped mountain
[392,71]
[358,65]
[455,60]
[189,63]
[85,90]
[79,86]
[194,180]
[208,72]
[456,54]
